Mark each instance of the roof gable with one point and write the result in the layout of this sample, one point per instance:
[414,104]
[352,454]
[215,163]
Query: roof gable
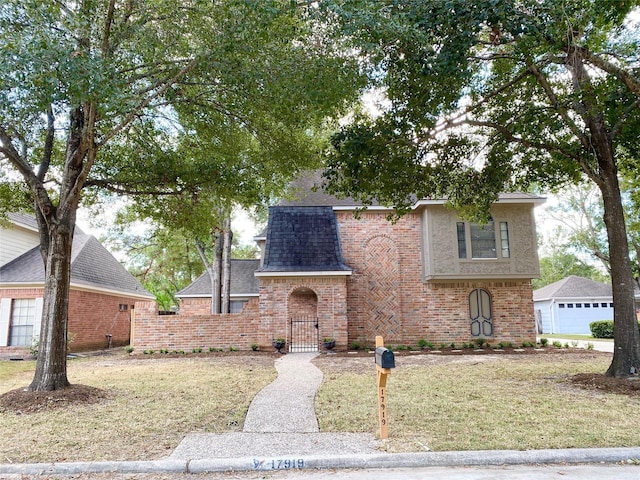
[91,265]
[573,287]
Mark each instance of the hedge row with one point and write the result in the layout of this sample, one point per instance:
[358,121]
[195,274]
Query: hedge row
[603,328]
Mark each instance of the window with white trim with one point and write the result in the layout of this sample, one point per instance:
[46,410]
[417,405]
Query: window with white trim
[23,319]
[478,241]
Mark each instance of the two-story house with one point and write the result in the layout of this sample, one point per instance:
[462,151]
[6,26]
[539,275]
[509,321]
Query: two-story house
[103,293]
[326,272]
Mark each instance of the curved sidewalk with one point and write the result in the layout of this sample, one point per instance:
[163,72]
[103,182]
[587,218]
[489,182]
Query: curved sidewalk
[281,433]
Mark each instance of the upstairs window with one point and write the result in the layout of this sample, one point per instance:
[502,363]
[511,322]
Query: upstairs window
[489,240]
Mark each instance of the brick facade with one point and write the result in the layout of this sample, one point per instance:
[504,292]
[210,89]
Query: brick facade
[188,331]
[92,316]
[387,294]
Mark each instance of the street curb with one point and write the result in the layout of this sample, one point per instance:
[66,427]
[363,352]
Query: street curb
[312,462]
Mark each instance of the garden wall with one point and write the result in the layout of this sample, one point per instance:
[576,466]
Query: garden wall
[187,332]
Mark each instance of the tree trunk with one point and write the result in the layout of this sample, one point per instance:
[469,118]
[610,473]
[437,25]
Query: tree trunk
[626,349]
[216,276]
[626,344]
[626,352]
[51,366]
[227,235]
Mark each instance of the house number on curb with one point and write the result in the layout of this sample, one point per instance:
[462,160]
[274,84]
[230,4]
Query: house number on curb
[278,464]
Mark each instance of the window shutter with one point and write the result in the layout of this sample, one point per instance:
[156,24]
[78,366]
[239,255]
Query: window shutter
[38,320]
[5,314]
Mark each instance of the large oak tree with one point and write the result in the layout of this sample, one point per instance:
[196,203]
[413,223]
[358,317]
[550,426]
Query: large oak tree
[490,95]
[148,98]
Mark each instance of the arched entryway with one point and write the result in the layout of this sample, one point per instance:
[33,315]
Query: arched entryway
[303,320]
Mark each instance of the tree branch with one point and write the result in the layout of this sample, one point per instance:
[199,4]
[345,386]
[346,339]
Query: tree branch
[549,147]
[108,23]
[163,87]
[48,146]
[632,83]
[557,106]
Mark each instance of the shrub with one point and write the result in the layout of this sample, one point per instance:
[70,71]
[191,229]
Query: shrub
[557,344]
[544,342]
[33,348]
[128,349]
[254,347]
[602,329]
[422,343]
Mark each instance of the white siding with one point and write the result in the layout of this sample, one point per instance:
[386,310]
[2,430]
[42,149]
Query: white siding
[545,314]
[16,241]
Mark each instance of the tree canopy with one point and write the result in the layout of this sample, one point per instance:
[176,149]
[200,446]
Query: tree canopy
[156,98]
[488,96]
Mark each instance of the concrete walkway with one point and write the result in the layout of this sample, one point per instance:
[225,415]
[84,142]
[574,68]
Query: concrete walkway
[281,421]
[294,392]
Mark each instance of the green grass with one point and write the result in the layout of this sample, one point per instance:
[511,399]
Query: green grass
[439,403]
[568,336]
[494,404]
[153,404]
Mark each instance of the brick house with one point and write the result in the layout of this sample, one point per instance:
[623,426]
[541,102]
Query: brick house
[101,301]
[327,273]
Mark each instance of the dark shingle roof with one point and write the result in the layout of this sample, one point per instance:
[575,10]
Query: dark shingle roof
[24,219]
[243,280]
[91,265]
[302,239]
[573,287]
[307,191]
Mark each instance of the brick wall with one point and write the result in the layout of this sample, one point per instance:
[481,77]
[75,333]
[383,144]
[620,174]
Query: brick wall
[283,297]
[186,332]
[388,296]
[92,316]
[195,306]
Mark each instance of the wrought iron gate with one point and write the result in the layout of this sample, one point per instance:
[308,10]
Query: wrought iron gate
[303,334]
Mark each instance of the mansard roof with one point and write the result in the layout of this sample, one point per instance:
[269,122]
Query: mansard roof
[303,239]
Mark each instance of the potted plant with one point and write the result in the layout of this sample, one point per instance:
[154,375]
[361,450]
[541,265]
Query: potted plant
[329,343]
[278,343]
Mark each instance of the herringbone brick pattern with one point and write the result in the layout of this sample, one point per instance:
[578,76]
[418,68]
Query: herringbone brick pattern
[382,296]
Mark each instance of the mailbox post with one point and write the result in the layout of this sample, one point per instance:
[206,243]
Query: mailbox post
[385,361]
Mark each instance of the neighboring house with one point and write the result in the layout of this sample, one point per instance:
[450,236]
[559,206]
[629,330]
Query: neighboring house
[196,298]
[431,275]
[101,301]
[571,304]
